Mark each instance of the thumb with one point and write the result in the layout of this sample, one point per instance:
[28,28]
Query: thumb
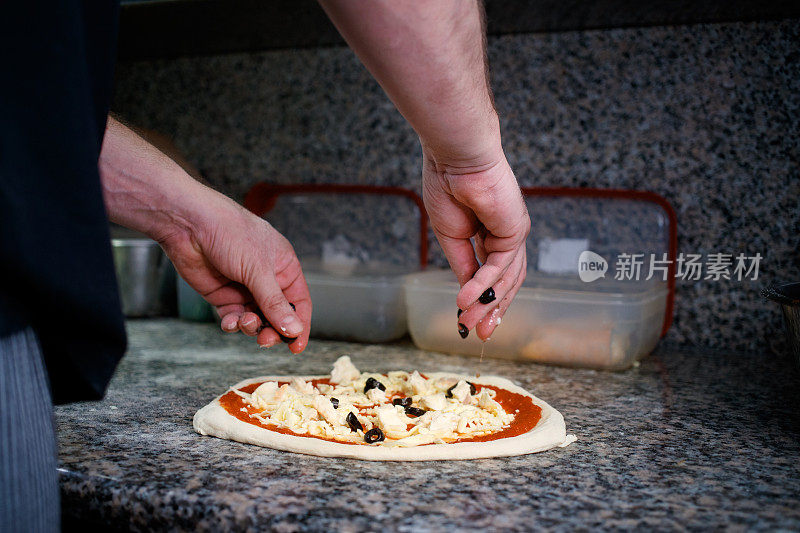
[274,305]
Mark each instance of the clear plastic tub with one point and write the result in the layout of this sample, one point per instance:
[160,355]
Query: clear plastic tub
[354,267]
[557,317]
[366,305]
[575,327]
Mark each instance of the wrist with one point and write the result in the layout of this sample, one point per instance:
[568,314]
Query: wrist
[482,155]
[177,209]
[145,190]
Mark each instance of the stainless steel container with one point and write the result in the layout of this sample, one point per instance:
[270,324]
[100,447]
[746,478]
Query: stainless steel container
[145,277]
[788,296]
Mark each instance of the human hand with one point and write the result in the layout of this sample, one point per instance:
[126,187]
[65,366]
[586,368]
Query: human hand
[236,260]
[481,202]
[241,265]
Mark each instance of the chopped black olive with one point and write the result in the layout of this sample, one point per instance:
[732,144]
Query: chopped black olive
[335,402]
[487,297]
[404,402]
[472,390]
[373,435]
[459,313]
[414,411]
[462,330]
[292,306]
[353,422]
[373,383]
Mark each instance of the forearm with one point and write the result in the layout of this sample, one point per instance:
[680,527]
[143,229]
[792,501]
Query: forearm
[429,57]
[144,189]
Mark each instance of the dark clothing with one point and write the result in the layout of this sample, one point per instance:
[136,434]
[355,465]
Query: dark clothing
[56,268]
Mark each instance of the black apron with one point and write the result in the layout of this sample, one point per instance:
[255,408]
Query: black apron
[56,270]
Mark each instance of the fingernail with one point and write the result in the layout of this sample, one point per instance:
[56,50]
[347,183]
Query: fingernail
[462,330]
[291,328]
[487,297]
[459,313]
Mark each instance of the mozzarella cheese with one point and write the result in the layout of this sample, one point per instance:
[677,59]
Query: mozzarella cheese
[451,411]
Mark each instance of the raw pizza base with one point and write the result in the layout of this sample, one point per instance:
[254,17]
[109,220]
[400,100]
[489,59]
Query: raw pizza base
[548,433]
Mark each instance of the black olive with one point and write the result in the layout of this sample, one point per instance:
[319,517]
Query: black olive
[292,306]
[459,312]
[404,402]
[373,383]
[462,330]
[487,297]
[335,402]
[414,411]
[472,390]
[373,435]
[353,422]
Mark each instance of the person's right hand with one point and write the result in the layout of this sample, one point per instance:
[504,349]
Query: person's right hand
[481,202]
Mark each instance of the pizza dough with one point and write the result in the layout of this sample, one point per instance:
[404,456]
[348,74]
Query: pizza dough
[399,416]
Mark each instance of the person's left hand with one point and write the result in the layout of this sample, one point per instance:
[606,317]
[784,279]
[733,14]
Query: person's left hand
[234,259]
[241,265]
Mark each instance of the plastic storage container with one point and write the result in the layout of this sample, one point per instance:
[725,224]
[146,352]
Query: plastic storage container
[557,317]
[354,266]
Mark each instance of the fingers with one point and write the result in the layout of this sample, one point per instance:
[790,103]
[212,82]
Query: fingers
[273,304]
[297,292]
[253,324]
[250,323]
[504,290]
[461,256]
[268,338]
[229,301]
[487,276]
[487,325]
[230,322]
[287,289]
[480,245]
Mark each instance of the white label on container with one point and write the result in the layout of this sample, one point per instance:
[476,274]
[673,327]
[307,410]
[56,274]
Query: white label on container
[560,256]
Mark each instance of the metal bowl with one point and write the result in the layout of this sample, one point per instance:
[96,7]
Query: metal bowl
[788,296]
[145,277]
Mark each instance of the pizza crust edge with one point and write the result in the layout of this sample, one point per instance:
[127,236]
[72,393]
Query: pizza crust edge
[549,433]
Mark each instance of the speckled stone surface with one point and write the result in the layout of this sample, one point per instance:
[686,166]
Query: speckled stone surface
[707,115]
[686,440]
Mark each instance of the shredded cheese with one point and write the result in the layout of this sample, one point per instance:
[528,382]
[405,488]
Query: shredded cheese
[449,410]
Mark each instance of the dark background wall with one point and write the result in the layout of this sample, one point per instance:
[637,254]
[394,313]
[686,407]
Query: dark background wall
[708,115]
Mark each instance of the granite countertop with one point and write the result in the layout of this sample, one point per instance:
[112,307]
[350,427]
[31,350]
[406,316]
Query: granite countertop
[686,439]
